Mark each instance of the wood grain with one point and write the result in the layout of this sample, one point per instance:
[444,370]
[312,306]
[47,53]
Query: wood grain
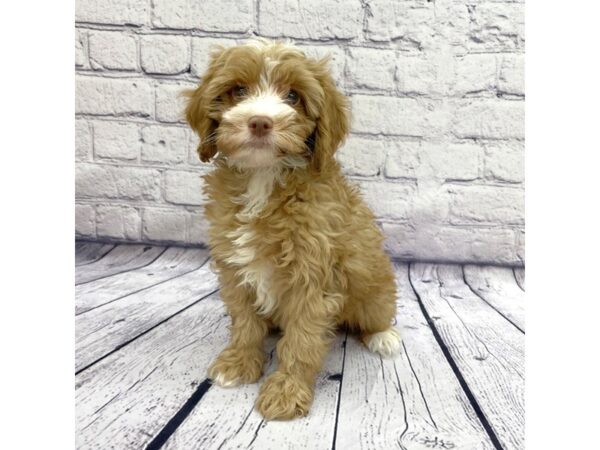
[487,350]
[120,259]
[104,329]
[173,262]
[245,428]
[89,252]
[147,329]
[520,276]
[124,400]
[413,401]
[498,287]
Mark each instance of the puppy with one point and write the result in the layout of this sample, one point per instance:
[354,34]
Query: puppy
[294,245]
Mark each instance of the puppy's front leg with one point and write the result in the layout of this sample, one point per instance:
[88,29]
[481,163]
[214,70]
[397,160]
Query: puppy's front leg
[243,359]
[307,335]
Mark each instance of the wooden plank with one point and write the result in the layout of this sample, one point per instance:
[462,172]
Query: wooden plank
[174,262]
[487,350]
[226,418]
[520,276]
[120,259]
[413,401]
[89,252]
[497,286]
[102,330]
[123,401]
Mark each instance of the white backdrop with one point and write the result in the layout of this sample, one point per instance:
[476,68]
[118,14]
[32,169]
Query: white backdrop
[437,93]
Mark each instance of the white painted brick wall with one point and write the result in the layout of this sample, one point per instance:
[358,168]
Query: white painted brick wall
[437,93]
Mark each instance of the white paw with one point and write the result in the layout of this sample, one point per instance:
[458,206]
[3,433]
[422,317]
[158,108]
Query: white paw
[386,343]
[221,380]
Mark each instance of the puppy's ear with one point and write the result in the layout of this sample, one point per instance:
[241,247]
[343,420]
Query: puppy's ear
[333,123]
[198,109]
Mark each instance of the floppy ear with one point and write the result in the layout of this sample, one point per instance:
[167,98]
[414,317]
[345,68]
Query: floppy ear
[333,123]
[197,111]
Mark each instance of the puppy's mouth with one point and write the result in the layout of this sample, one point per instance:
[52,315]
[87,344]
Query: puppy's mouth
[260,142]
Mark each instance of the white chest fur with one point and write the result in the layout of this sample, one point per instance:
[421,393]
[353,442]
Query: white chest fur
[256,274]
[258,191]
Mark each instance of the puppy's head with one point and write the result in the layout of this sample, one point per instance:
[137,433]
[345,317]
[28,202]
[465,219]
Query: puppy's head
[264,104]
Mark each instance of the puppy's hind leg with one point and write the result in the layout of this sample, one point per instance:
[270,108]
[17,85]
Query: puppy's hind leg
[374,318]
[387,342]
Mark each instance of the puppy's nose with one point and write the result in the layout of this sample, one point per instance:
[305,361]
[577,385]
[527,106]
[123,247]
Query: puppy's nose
[260,125]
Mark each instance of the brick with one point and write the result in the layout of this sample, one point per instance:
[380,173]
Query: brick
[418,75]
[197,228]
[486,204]
[116,140]
[81,44]
[433,161]
[104,181]
[83,140]
[164,144]
[497,27]
[451,28]
[504,161]
[363,157]
[310,19]
[85,221]
[170,102]
[521,246]
[440,74]
[183,188]
[118,222]
[165,54]
[452,162]
[193,157]
[202,47]
[474,73]
[94,181]
[388,200]
[402,159]
[361,63]
[496,119]
[512,75]
[225,15]
[409,26]
[113,50]
[121,12]
[443,243]
[109,96]
[430,203]
[337,63]
[136,183]
[164,225]
[390,115]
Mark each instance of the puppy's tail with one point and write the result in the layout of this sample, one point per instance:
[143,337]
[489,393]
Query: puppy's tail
[387,343]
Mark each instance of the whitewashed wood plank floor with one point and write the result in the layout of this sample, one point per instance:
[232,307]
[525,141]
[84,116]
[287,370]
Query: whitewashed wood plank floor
[149,321]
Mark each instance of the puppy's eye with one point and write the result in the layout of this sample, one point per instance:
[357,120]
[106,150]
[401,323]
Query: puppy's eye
[292,97]
[239,92]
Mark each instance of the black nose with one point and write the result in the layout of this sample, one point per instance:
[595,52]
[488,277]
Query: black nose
[260,125]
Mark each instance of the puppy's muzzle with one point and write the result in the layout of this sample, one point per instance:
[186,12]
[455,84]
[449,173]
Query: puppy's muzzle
[260,125]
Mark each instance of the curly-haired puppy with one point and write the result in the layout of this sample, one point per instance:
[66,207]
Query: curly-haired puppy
[294,244]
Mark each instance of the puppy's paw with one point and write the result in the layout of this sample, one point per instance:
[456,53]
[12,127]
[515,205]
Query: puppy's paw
[284,397]
[387,343]
[236,366]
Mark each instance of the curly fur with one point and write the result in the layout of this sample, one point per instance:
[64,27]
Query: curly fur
[294,244]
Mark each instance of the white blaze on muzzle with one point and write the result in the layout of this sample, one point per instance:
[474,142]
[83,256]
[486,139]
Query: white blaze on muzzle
[266,103]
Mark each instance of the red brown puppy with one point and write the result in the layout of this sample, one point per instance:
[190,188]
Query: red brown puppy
[294,244]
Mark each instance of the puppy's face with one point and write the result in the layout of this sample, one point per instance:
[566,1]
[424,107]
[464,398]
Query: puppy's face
[264,104]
